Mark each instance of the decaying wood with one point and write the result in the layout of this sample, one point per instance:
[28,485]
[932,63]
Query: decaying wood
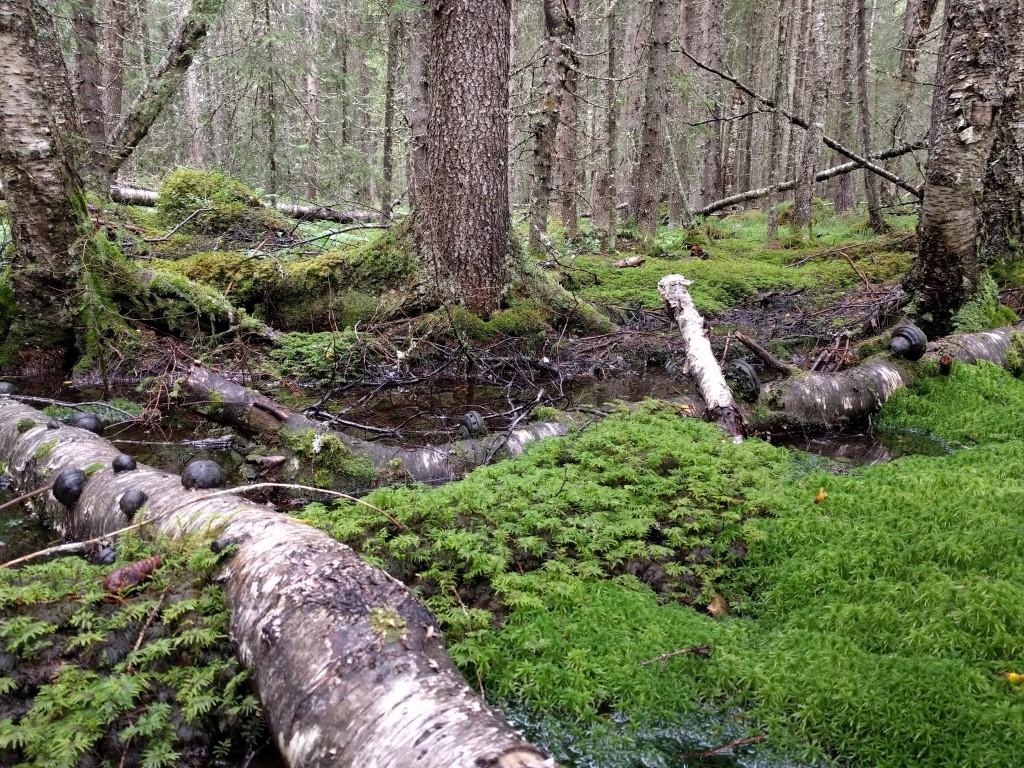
[351,669]
[701,365]
[632,261]
[252,411]
[763,354]
[127,195]
[825,400]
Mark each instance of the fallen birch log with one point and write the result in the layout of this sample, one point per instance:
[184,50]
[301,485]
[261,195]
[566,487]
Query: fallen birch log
[701,365]
[254,412]
[126,195]
[351,669]
[825,400]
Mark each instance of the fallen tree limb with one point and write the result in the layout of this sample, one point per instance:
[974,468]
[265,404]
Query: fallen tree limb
[254,412]
[828,173]
[802,123]
[127,195]
[766,357]
[825,400]
[351,669]
[701,365]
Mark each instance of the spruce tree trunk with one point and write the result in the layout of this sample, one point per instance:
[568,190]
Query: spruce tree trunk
[871,182]
[311,22]
[560,26]
[607,209]
[647,180]
[419,101]
[842,187]
[463,223]
[968,96]
[775,154]
[387,192]
[804,196]
[712,34]
[89,79]
[115,33]
[568,135]
[41,185]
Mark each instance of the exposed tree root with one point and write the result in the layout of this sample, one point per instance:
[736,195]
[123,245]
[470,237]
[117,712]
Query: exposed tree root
[350,667]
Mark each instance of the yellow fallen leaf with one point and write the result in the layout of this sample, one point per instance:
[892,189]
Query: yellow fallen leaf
[718,606]
[822,495]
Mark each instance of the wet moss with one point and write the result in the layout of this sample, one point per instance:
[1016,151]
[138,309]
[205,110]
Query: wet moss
[326,462]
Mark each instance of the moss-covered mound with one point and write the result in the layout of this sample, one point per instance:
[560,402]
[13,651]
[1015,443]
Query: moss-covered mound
[212,204]
[145,679]
[874,628]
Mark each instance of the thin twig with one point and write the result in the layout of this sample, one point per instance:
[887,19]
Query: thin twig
[76,546]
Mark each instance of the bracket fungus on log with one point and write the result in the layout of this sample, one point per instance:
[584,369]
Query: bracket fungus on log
[304,614]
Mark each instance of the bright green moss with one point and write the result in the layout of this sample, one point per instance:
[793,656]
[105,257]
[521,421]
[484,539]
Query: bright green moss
[217,205]
[984,311]
[327,462]
[313,357]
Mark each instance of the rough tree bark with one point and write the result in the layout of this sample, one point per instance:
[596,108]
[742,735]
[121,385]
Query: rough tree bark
[311,25]
[559,61]
[419,101]
[253,412]
[776,157]
[968,95]
[701,365]
[871,183]
[713,36]
[647,179]
[89,78]
[114,38]
[806,182]
[161,85]
[387,191]
[463,223]
[351,669]
[607,213]
[568,134]
[41,185]
[917,19]
[842,188]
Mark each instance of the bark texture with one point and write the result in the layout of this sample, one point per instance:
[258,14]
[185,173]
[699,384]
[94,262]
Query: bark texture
[842,187]
[701,365]
[89,78]
[41,182]
[871,184]
[252,411]
[822,400]
[647,179]
[463,223]
[351,669]
[807,179]
[560,61]
[967,100]
[607,213]
[775,153]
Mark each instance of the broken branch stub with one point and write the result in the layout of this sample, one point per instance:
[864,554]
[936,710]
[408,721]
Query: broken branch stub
[351,669]
[701,365]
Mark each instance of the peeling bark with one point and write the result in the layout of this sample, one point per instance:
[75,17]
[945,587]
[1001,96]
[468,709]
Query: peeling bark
[701,365]
[822,400]
[252,411]
[351,669]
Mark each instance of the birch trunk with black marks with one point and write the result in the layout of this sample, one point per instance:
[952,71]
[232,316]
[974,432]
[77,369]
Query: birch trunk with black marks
[41,185]
[559,61]
[350,668]
[829,400]
[806,182]
[162,84]
[701,365]
[647,178]
[968,95]
[463,223]
[251,411]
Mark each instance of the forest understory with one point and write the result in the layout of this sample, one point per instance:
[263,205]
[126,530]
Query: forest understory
[639,590]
